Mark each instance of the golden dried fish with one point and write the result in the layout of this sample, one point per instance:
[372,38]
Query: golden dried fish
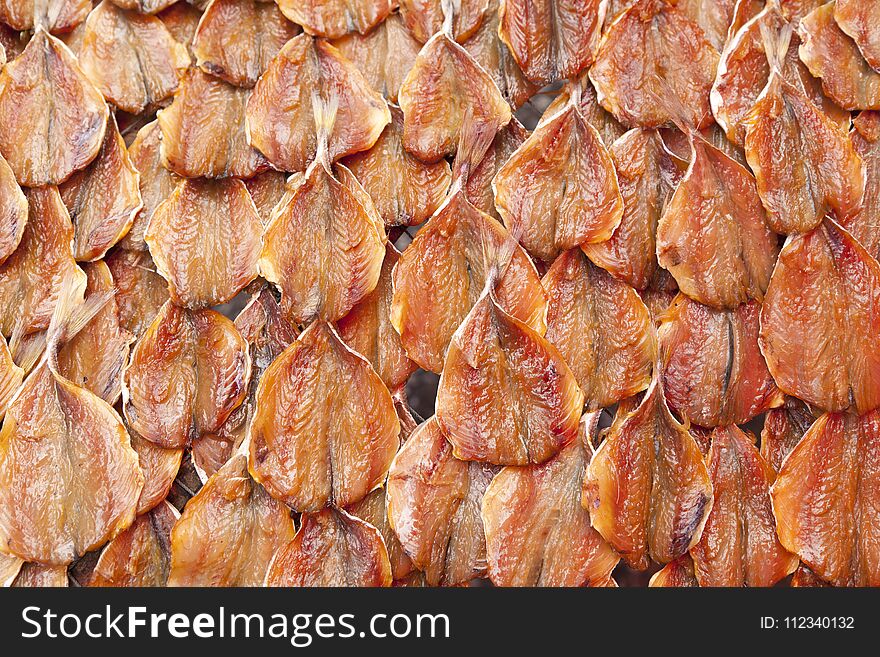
[324,430]
[132,58]
[783,429]
[268,334]
[739,546]
[441,274]
[805,165]
[491,52]
[69,479]
[712,236]
[713,16]
[56,16]
[335,18]
[551,39]
[160,466]
[37,575]
[820,321]
[833,56]
[424,18]
[332,548]
[631,252]
[9,568]
[861,21]
[205,239]
[478,186]
[367,329]
[652,60]
[280,112]
[188,372]
[141,555]
[13,211]
[384,55]
[647,488]
[324,245]
[140,291]
[11,376]
[434,507]
[182,19]
[372,510]
[825,499]
[229,532]
[537,532]
[581,87]
[266,190]
[144,6]
[66,114]
[559,189]
[405,190]
[506,396]
[864,224]
[236,39]
[95,357]
[31,278]
[155,182]
[678,573]
[445,94]
[103,198]
[602,329]
[203,131]
[713,371]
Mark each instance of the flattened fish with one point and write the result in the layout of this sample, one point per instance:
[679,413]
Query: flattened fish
[236,39]
[37,575]
[833,56]
[266,190]
[424,18]
[478,186]
[551,39]
[506,396]
[102,199]
[95,357]
[140,291]
[861,21]
[405,190]
[647,488]
[713,371]
[132,58]
[384,55]
[324,245]
[280,113]
[188,372]
[13,211]
[11,376]
[825,499]
[262,324]
[559,189]
[9,568]
[865,223]
[537,532]
[631,252]
[820,321]
[332,548]
[372,509]
[160,466]
[69,479]
[182,20]
[335,18]
[205,239]
[445,93]
[783,429]
[602,329]
[678,573]
[744,71]
[66,114]
[593,112]
[31,278]
[203,131]
[712,236]
[144,6]
[141,555]
[441,274]
[805,165]
[56,16]
[155,182]
[434,507]
[325,429]
[367,329]
[739,546]
[229,532]
[490,52]
[653,59]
